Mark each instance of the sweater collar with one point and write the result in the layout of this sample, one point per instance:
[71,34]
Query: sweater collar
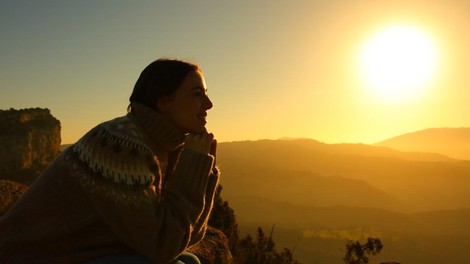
[162,135]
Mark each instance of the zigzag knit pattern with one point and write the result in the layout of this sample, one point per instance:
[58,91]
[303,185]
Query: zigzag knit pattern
[114,151]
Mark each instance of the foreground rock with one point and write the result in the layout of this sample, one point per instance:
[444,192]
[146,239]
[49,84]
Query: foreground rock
[213,249]
[29,142]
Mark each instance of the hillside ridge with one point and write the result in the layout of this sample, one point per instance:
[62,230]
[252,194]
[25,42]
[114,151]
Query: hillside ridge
[450,141]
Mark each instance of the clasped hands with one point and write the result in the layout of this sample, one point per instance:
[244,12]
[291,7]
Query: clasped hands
[202,143]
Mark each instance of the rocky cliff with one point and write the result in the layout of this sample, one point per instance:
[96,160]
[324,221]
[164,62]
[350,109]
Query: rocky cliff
[10,191]
[29,141]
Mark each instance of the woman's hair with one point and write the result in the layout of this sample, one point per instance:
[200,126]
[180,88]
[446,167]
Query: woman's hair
[161,77]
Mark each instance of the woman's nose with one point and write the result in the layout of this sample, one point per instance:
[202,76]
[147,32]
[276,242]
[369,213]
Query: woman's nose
[207,104]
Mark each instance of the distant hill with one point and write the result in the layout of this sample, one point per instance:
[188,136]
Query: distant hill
[318,195]
[452,142]
[302,187]
[308,172]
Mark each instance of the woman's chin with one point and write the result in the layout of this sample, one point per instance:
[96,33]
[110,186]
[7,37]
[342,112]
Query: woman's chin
[202,130]
[199,130]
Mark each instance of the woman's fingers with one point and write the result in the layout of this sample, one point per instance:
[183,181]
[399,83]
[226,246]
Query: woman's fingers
[213,150]
[213,147]
[199,142]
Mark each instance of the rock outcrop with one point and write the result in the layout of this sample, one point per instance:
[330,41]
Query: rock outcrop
[213,249]
[29,141]
[10,192]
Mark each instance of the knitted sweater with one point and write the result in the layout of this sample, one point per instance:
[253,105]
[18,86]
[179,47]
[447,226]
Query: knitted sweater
[108,194]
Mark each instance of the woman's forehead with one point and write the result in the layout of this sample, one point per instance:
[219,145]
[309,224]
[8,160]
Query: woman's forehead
[194,81]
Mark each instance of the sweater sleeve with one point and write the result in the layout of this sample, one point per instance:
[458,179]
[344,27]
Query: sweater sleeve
[198,194]
[201,225]
[156,222]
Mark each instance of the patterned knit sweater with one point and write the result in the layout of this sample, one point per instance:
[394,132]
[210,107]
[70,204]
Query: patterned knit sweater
[127,187]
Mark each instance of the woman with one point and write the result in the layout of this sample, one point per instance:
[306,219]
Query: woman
[135,189]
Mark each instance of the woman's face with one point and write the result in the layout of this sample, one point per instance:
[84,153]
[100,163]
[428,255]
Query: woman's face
[187,107]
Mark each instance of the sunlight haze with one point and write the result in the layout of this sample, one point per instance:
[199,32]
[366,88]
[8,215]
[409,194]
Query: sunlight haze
[273,69]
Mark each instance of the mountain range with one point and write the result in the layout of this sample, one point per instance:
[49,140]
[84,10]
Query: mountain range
[308,172]
[452,142]
[318,195]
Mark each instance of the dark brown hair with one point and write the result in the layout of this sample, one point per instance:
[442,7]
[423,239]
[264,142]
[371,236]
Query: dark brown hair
[161,77]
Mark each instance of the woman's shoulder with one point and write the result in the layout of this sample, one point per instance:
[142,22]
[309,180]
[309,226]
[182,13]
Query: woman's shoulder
[115,151]
[120,132]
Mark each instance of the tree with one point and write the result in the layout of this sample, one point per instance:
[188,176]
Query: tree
[356,253]
[262,250]
[223,218]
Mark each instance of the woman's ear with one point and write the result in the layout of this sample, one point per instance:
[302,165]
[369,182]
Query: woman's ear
[163,103]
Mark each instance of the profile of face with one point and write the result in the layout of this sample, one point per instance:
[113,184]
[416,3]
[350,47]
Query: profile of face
[187,107]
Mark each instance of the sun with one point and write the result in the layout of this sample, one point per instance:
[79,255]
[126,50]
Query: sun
[398,62]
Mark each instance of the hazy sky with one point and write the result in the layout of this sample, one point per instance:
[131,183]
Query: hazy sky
[273,68]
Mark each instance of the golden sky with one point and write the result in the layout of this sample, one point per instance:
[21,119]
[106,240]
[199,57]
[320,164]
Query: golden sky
[274,69]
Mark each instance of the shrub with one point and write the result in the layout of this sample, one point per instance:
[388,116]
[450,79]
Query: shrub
[262,250]
[259,250]
[356,253]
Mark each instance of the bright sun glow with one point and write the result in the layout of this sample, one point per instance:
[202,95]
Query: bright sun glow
[398,62]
